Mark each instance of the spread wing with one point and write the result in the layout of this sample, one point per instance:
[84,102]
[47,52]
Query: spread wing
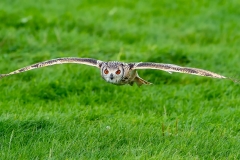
[174,68]
[86,61]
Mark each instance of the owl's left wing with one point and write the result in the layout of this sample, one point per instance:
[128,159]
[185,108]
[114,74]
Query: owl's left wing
[86,61]
[174,68]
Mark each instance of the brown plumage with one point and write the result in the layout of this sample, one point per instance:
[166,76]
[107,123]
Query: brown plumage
[120,73]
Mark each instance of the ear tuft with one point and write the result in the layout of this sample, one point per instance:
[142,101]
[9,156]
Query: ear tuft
[100,64]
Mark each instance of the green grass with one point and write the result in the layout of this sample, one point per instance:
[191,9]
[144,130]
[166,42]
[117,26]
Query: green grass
[70,112]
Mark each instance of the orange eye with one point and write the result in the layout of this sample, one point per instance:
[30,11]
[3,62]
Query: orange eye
[106,71]
[118,72]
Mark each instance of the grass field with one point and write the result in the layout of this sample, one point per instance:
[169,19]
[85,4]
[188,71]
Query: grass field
[69,112]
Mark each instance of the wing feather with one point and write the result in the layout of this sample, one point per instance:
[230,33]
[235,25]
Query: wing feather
[174,68]
[86,61]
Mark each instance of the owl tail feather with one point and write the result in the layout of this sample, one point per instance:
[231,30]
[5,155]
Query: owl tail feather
[141,81]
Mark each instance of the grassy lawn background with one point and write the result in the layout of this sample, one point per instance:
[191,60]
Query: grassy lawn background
[69,112]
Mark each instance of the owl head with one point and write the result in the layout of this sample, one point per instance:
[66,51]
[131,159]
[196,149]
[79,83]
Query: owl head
[112,72]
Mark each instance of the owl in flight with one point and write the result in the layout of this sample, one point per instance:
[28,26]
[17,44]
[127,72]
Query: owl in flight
[120,73]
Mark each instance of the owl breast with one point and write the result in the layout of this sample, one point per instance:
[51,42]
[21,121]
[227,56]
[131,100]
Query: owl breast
[128,77]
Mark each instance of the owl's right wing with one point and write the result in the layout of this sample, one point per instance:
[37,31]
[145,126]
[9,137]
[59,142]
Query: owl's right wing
[86,61]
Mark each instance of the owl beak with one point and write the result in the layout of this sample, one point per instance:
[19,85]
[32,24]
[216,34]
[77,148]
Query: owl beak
[111,76]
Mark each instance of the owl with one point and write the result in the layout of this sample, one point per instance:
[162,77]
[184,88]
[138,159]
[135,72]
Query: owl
[120,73]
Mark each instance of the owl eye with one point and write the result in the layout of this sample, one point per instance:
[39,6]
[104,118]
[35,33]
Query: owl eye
[118,72]
[106,71]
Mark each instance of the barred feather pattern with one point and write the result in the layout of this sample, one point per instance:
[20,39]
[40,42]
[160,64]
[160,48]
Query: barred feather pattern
[120,73]
[174,68]
[87,61]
